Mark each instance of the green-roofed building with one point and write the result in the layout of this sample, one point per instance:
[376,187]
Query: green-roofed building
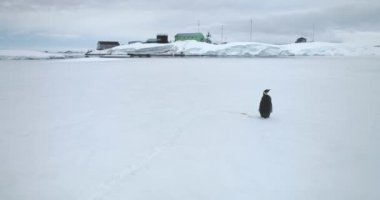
[190,36]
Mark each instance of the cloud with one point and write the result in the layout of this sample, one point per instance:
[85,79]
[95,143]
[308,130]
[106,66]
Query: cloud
[275,21]
[57,35]
[363,37]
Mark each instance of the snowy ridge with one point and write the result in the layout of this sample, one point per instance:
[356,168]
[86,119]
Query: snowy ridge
[28,55]
[38,55]
[244,49]
[193,48]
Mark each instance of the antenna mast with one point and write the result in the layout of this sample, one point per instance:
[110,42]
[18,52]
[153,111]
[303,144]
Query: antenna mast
[222,35]
[250,35]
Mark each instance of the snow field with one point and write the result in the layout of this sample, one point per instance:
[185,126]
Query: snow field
[193,48]
[246,49]
[28,55]
[165,128]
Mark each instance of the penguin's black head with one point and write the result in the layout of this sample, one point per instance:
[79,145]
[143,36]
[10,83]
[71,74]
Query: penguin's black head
[266,91]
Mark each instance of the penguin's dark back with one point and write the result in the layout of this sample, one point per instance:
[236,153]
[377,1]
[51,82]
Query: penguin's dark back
[266,104]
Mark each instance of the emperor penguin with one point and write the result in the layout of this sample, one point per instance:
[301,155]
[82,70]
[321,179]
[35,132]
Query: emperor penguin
[265,105]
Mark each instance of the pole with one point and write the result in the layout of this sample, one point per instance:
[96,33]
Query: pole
[222,35]
[313,31]
[199,23]
[250,35]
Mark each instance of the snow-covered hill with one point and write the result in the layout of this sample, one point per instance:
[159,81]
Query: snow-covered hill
[193,48]
[244,49]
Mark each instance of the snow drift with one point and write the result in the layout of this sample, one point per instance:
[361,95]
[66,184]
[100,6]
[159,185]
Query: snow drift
[38,55]
[243,49]
[193,48]
[28,55]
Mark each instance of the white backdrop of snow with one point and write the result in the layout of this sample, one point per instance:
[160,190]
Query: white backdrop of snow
[247,49]
[38,55]
[27,55]
[193,48]
[170,129]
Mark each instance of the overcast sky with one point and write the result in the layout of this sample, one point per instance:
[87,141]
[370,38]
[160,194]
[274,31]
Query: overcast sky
[79,24]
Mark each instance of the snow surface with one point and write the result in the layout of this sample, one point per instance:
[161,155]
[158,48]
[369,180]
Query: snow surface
[167,128]
[245,49]
[193,48]
[38,55]
[27,55]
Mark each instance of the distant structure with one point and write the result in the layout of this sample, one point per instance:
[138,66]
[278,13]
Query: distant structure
[190,36]
[301,40]
[162,38]
[134,42]
[107,45]
[208,38]
[151,40]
